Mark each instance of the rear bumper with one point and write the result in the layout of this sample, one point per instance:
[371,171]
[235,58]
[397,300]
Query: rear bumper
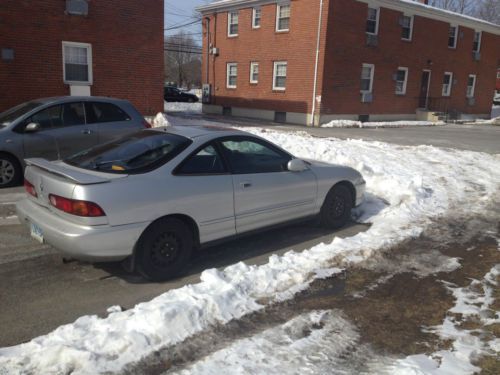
[91,243]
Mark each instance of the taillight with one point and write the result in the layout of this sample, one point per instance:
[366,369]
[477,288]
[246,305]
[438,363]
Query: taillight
[76,207]
[30,188]
[146,124]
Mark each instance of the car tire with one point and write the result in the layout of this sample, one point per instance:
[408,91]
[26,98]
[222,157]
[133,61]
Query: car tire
[336,210]
[11,172]
[190,100]
[164,249]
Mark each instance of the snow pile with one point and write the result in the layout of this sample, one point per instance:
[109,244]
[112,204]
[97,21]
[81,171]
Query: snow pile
[182,107]
[406,188]
[160,121]
[467,344]
[385,124]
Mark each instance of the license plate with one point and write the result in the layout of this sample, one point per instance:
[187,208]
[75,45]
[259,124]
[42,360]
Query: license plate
[36,232]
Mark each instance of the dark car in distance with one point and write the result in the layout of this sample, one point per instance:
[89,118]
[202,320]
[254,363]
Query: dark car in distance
[55,128]
[173,94]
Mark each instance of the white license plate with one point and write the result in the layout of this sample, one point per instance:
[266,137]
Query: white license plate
[36,232]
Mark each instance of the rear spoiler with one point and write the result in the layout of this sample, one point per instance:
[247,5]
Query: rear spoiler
[79,176]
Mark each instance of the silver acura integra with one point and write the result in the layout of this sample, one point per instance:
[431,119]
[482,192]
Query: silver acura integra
[156,195]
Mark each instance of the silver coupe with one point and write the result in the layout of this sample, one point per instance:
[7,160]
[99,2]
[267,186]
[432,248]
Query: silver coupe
[156,195]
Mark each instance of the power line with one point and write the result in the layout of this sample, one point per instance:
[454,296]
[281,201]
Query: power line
[179,51]
[182,25]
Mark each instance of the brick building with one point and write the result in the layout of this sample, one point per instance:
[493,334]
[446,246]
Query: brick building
[301,60]
[82,47]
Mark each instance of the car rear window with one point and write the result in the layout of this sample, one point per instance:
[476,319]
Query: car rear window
[137,153]
[14,113]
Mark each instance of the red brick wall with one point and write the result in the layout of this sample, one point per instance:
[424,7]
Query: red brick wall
[127,50]
[347,51]
[265,46]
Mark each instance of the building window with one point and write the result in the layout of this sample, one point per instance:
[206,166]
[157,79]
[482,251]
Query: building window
[256,17]
[447,83]
[232,75]
[452,37]
[254,72]
[476,47]
[367,73]
[372,21]
[498,75]
[407,27]
[279,75]
[471,85]
[401,81]
[283,17]
[232,23]
[77,63]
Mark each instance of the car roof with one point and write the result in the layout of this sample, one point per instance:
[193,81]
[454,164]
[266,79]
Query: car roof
[196,131]
[65,99]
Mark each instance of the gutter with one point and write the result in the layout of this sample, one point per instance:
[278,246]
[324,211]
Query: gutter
[316,65]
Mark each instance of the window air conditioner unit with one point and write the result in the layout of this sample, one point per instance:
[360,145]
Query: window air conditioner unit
[372,40]
[471,101]
[77,7]
[476,56]
[366,97]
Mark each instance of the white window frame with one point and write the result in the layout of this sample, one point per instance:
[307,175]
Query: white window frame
[254,64]
[412,19]
[479,42]
[446,91]
[498,75]
[228,70]
[278,11]
[455,38]
[229,24]
[473,91]
[275,70]
[254,17]
[372,76]
[89,63]
[377,20]
[405,82]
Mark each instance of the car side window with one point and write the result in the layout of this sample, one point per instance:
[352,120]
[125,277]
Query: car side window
[205,162]
[73,114]
[104,112]
[248,156]
[47,118]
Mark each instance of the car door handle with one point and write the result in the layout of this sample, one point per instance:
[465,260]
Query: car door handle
[245,184]
[87,131]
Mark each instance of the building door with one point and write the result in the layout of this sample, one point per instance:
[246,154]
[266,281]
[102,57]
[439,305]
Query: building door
[424,89]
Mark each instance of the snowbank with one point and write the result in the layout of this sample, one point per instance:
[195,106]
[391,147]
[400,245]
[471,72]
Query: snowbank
[386,124]
[160,121]
[406,188]
[182,107]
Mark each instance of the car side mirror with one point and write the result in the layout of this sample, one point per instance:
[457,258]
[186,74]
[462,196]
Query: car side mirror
[32,127]
[297,165]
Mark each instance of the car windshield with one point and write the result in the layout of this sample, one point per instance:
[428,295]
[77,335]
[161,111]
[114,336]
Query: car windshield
[14,113]
[136,153]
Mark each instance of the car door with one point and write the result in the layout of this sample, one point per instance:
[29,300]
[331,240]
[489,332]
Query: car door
[265,192]
[208,186]
[62,132]
[111,121]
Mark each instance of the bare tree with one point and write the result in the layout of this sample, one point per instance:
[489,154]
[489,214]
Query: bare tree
[489,10]
[182,60]
[459,6]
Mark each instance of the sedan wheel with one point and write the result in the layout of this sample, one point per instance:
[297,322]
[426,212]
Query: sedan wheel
[336,210]
[10,171]
[164,249]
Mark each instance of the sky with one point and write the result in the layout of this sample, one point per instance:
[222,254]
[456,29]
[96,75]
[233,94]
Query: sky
[181,12]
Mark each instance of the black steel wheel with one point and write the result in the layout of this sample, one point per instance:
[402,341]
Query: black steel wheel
[164,249]
[336,209]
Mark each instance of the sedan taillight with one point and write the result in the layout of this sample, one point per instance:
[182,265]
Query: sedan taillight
[76,207]
[30,188]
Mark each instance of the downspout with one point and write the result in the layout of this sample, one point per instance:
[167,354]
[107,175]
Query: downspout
[320,21]
[208,49]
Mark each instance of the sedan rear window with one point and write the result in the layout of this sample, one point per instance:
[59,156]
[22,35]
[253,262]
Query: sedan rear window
[14,113]
[136,153]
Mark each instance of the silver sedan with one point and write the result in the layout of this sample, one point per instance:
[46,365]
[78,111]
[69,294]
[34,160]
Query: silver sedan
[156,195]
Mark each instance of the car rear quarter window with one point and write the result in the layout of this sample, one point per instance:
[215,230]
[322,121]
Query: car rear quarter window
[137,153]
[104,112]
[207,161]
